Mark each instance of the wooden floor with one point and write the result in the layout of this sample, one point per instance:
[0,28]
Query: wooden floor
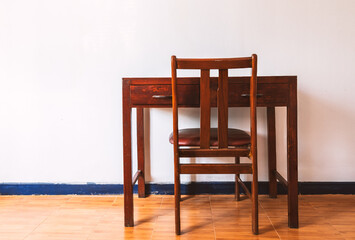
[203,217]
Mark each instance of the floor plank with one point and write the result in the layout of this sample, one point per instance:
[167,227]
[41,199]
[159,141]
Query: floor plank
[203,217]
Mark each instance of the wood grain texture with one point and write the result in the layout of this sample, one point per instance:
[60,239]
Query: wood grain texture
[140,152]
[253,146]
[292,155]
[204,217]
[281,179]
[205,109]
[246,190]
[215,168]
[176,145]
[136,176]
[196,80]
[127,154]
[237,185]
[271,143]
[156,93]
[271,94]
[208,91]
[222,105]
[213,152]
[216,63]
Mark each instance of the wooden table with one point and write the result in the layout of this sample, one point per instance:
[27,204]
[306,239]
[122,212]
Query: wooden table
[273,91]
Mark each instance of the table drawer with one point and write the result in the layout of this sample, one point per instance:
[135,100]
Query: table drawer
[268,94]
[189,94]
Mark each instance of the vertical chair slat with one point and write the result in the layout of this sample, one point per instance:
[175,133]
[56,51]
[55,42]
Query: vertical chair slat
[205,106]
[222,104]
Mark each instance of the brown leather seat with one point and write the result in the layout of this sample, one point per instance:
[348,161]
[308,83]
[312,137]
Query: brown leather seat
[191,137]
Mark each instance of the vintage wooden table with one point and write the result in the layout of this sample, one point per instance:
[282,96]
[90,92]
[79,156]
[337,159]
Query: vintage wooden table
[273,91]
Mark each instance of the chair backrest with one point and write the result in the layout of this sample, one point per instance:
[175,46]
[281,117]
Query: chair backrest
[222,65]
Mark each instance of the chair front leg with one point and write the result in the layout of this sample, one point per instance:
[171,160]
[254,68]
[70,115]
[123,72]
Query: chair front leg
[177,196]
[255,214]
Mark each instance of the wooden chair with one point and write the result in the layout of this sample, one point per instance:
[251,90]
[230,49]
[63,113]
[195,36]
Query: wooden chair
[215,142]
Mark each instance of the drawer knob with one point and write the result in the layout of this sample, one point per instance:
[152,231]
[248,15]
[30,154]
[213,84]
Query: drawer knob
[248,95]
[162,96]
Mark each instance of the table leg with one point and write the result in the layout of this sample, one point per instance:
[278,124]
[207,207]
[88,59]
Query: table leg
[292,159]
[127,156]
[140,154]
[271,142]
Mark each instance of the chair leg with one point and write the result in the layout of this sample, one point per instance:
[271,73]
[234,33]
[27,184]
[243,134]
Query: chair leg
[177,202]
[255,215]
[237,185]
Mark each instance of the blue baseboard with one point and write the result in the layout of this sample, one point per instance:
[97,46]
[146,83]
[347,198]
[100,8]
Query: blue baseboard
[59,189]
[167,189]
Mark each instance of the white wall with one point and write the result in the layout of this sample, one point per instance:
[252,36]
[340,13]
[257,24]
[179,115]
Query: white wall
[61,64]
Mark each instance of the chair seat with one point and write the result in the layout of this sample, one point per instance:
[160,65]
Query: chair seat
[191,137]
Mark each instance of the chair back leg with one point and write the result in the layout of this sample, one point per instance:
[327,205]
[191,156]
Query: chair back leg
[237,185]
[255,215]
